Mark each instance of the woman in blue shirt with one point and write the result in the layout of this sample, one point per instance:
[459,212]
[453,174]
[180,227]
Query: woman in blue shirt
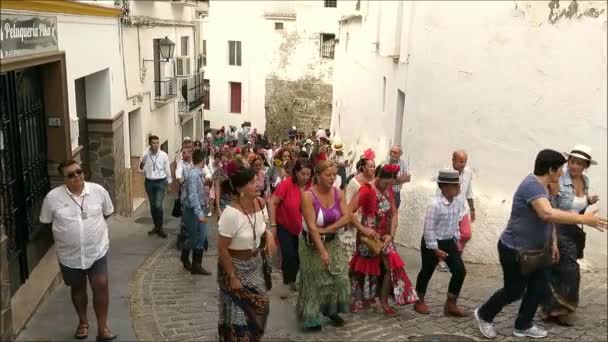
[564,277]
[530,228]
[194,217]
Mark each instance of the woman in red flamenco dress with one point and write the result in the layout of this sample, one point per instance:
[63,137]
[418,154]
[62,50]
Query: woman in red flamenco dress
[378,276]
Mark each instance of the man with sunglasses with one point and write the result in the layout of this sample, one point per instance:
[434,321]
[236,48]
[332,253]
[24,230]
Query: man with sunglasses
[157,168]
[77,211]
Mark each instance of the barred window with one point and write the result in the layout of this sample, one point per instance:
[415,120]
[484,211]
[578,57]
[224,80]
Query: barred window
[328,44]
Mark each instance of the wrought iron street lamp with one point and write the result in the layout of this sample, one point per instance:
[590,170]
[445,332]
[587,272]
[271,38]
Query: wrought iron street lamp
[166,48]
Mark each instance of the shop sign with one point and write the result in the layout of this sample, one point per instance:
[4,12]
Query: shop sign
[22,35]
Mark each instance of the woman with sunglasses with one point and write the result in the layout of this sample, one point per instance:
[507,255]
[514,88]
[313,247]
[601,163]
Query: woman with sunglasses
[324,286]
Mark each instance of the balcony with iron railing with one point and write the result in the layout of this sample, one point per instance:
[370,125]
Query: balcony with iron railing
[165,90]
[191,92]
[190,3]
[280,10]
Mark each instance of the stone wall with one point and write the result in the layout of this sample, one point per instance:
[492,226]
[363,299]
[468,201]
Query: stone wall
[107,161]
[122,176]
[305,103]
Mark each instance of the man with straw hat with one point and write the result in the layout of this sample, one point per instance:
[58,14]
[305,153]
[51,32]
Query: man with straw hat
[440,242]
[338,157]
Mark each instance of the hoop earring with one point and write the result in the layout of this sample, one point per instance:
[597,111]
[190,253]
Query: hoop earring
[242,194]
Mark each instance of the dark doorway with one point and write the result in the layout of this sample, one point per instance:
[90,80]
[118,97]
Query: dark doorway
[83,134]
[24,179]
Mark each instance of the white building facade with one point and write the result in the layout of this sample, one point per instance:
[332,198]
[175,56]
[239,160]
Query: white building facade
[163,94]
[61,77]
[277,49]
[502,80]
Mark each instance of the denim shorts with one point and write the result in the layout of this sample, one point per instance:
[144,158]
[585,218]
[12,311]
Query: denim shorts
[72,276]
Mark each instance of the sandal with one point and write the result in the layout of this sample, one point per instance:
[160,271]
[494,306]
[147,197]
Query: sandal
[107,336]
[82,332]
[389,311]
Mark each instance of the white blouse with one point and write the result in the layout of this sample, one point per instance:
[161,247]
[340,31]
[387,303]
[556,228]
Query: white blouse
[234,224]
[579,203]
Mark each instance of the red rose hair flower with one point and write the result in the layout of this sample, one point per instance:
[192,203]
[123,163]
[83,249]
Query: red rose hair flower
[391,168]
[369,154]
[231,167]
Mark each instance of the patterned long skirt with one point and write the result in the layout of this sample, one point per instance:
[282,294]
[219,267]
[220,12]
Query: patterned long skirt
[322,291]
[564,277]
[243,313]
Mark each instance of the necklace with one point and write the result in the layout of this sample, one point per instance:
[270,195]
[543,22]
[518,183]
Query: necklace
[83,214]
[253,224]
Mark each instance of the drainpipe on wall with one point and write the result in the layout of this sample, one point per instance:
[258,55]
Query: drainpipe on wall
[407,63]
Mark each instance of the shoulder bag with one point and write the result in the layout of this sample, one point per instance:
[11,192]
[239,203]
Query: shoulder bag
[532,260]
[266,267]
[373,244]
[177,205]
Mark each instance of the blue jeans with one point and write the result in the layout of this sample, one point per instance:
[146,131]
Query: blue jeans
[195,232]
[156,194]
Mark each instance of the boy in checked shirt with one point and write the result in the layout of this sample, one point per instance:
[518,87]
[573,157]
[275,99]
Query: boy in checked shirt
[440,242]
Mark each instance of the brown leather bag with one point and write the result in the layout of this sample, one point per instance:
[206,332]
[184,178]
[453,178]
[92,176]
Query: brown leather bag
[531,260]
[373,244]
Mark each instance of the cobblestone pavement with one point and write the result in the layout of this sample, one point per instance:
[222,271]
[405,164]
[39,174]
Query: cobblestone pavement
[168,303]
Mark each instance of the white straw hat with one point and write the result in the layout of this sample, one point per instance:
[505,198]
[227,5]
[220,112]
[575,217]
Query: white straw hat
[581,152]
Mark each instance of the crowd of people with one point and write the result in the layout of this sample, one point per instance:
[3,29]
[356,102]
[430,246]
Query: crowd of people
[334,227]
[331,219]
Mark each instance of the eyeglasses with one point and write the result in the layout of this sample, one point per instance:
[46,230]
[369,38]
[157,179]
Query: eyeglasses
[74,174]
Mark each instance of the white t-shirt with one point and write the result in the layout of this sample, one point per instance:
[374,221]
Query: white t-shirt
[234,224]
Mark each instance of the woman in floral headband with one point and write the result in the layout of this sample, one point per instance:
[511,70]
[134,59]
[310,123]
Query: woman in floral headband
[378,274]
[366,170]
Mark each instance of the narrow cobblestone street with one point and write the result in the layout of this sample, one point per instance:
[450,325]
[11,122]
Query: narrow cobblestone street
[167,303]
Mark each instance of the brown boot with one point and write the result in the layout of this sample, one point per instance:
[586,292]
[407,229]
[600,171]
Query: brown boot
[451,309]
[421,307]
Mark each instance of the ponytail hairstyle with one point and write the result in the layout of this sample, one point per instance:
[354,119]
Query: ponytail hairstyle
[387,171]
[238,177]
[320,167]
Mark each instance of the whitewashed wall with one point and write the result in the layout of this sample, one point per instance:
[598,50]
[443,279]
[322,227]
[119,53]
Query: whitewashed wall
[289,54]
[91,45]
[158,119]
[220,28]
[501,82]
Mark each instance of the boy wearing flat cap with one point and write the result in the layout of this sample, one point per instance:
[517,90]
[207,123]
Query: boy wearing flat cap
[440,242]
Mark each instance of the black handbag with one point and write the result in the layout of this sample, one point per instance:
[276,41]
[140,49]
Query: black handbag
[266,266]
[580,239]
[177,206]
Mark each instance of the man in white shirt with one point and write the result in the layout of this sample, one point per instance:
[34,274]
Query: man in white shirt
[404,176]
[157,169]
[459,163]
[77,211]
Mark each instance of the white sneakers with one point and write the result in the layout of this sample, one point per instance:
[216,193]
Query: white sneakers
[486,328]
[533,332]
[488,331]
